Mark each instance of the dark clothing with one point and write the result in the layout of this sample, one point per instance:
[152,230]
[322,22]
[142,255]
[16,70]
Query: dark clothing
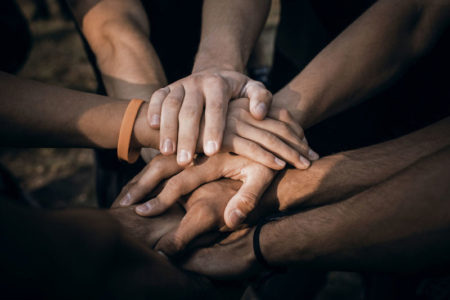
[175,35]
[420,97]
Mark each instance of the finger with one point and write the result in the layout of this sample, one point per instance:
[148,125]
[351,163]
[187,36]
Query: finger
[189,120]
[245,200]
[260,98]
[169,119]
[198,220]
[217,97]
[253,151]
[179,185]
[286,134]
[154,107]
[273,144]
[283,115]
[140,186]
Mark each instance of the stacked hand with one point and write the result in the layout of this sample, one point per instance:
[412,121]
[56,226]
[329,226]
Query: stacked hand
[251,150]
[177,110]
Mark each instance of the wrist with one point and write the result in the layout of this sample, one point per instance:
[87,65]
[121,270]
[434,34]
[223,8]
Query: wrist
[143,135]
[321,183]
[213,59]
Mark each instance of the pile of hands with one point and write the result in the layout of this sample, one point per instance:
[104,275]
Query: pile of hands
[222,142]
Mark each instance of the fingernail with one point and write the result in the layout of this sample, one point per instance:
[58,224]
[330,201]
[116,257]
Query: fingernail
[183,156]
[313,155]
[260,109]
[167,146]
[144,208]
[236,217]
[155,120]
[126,200]
[304,161]
[162,254]
[280,162]
[210,147]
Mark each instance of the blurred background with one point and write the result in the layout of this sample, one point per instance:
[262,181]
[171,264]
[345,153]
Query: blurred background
[54,177]
[65,177]
[58,178]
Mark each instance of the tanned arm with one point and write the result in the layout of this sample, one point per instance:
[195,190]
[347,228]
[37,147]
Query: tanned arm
[366,57]
[40,115]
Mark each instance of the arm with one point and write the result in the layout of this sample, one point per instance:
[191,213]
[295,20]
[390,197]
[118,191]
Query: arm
[338,176]
[227,37]
[118,33]
[364,58]
[224,42]
[39,115]
[75,248]
[401,224]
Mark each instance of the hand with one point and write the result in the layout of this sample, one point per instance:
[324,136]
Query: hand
[183,101]
[147,230]
[204,213]
[89,240]
[229,259]
[255,178]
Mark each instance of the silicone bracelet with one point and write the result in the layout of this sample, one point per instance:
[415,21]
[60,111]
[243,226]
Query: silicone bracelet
[126,130]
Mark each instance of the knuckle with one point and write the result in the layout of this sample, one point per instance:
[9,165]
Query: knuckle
[172,102]
[188,112]
[161,93]
[216,81]
[216,106]
[173,187]
[247,200]
[177,242]
[270,138]
[264,94]
[157,163]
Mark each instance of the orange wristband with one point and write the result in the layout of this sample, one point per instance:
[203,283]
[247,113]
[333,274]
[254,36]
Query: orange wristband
[126,130]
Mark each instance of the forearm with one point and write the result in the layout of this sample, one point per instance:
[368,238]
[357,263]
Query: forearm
[401,224]
[118,32]
[341,175]
[33,114]
[364,58]
[229,31]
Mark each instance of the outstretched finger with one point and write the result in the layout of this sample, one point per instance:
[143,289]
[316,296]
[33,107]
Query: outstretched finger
[169,120]
[189,120]
[141,185]
[178,186]
[216,105]
[154,107]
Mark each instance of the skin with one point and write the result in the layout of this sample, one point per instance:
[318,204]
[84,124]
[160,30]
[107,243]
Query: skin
[255,177]
[66,118]
[216,78]
[89,255]
[318,91]
[331,179]
[118,32]
[381,44]
[369,231]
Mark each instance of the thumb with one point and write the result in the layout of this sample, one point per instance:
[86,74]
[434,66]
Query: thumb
[260,98]
[198,220]
[245,200]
